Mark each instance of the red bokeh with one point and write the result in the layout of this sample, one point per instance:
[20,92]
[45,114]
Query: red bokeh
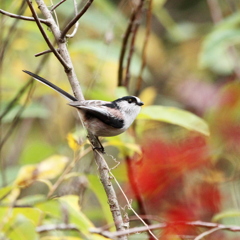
[166,179]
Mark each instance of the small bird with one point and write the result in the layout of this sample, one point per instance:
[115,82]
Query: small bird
[101,118]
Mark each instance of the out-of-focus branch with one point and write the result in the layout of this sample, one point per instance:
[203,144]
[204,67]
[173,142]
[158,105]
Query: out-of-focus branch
[23,17]
[131,29]
[204,234]
[144,49]
[216,226]
[75,19]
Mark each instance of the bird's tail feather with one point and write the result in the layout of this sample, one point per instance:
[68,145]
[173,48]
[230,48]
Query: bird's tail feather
[51,85]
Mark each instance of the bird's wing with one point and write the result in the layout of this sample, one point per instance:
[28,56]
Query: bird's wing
[95,108]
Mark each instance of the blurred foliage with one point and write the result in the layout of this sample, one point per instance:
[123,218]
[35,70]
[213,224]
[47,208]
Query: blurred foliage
[180,159]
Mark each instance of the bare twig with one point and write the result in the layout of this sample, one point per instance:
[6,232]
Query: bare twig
[125,42]
[215,10]
[62,50]
[130,207]
[135,27]
[23,17]
[58,56]
[66,171]
[144,50]
[52,227]
[43,52]
[204,234]
[75,19]
[77,23]
[135,230]
[57,5]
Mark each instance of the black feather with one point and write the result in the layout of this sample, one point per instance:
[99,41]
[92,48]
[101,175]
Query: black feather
[107,119]
[51,85]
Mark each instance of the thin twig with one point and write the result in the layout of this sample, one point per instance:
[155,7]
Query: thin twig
[75,19]
[23,17]
[54,227]
[66,171]
[77,23]
[135,27]
[58,56]
[125,43]
[62,50]
[204,234]
[144,49]
[130,207]
[135,230]
[57,5]
[43,52]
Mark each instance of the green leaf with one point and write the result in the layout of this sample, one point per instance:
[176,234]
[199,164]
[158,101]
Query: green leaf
[5,190]
[22,229]
[76,215]
[175,116]
[35,110]
[215,51]
[226,214]
[97,188]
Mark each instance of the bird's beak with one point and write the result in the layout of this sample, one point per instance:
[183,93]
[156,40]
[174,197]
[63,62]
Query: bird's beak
[141,103]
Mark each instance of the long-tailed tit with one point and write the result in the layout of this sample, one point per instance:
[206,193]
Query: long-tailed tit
[101,118]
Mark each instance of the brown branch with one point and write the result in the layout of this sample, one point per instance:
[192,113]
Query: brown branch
[77,23]
[63,51]
[57,5]
[58,56]
[75,19]
[144,50]
[135,27]
[135,230]
[23,17]
[127,34]
[43,52]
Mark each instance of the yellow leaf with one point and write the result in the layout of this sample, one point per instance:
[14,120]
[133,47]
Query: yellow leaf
[148,95]
[73,142]
[47,169]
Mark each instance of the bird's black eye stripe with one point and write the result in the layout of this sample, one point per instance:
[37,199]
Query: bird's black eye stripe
[112,105]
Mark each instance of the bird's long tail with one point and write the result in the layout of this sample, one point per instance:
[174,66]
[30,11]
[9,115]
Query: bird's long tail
[51,85]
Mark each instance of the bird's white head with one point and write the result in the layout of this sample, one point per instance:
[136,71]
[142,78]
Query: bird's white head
[130,106]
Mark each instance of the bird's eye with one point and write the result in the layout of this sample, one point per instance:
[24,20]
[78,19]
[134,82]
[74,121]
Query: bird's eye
[130,100]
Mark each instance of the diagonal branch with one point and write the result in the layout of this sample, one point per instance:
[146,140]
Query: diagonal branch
[58,56]
[75,19]
[63,51]
[57,5]
[23,17]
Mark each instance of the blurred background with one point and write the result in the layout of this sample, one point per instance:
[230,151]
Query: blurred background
[191,62]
